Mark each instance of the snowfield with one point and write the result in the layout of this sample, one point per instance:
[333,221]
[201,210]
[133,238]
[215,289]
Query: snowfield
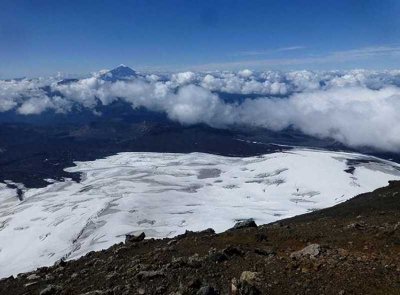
[166,194]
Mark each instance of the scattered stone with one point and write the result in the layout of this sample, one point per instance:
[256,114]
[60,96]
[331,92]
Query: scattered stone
[74,275]
[311,251]
[134,239]
[32,277]
[150,274]
[356,225]
[50,290]
[233,287]
[30,284]
[172,242]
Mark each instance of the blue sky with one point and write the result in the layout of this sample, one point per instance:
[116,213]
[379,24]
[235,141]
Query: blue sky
[44,37]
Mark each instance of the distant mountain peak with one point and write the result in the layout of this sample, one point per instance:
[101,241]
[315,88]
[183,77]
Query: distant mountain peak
[122,72]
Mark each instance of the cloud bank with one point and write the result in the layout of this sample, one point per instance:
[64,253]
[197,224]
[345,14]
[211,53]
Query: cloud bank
[358,108]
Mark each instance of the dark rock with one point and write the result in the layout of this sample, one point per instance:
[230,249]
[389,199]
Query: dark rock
[194,284]
[264,252]
[244,224]
[8,279]
[207,290]
[208,231]
[260,237]
[217,257]
[233,251]
[134,239]
[248,289]
[161,289]
[189,233]
[61,262]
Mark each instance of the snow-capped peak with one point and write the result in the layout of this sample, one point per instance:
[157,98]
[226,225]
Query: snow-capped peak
[121,72]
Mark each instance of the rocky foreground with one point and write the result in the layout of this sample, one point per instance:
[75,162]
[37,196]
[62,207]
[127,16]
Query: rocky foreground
[352,248]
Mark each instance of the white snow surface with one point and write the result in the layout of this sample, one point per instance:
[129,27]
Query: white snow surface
[166,194]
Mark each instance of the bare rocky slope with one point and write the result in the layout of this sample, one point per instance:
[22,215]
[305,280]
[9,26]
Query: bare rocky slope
[351,248]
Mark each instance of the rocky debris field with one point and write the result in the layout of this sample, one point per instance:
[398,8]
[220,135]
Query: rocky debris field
[352,248]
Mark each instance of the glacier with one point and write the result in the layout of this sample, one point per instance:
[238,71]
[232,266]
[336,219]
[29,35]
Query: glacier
[164,195]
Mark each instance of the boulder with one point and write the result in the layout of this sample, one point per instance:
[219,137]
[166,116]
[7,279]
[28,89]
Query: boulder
[249,277]
[312,251]
[134,239]
[247,283]
[244,224]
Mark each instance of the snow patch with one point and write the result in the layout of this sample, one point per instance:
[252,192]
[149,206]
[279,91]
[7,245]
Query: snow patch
[166,194]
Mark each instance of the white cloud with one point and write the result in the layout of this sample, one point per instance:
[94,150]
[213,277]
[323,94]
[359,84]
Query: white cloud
[35,105]
[245,73]
[183,78]
[354,116]
[357,108]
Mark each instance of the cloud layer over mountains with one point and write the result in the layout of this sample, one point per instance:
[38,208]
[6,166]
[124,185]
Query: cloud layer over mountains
[357,108]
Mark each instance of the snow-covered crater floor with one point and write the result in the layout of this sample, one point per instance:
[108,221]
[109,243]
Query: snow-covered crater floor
[166,194]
